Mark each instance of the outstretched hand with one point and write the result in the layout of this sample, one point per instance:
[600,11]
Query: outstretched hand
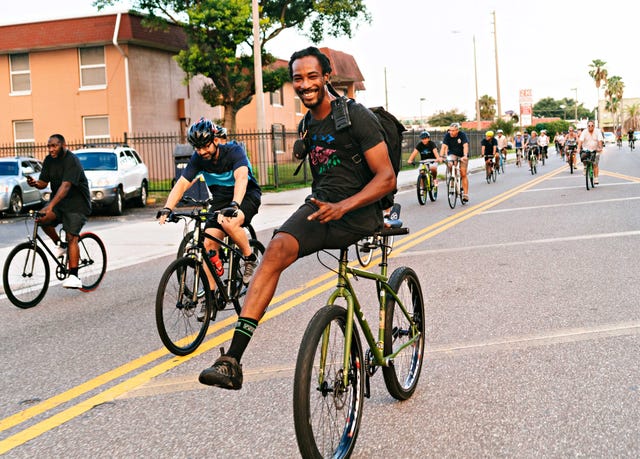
[327,211]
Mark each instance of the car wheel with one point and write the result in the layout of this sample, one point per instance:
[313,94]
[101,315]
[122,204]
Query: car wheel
[118,204]
[142,199]
[15,202]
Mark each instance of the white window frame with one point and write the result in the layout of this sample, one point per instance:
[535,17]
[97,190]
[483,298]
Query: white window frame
[297,104]
[23,141]
[277,97]
[20,72]
[92,66]
[99,137]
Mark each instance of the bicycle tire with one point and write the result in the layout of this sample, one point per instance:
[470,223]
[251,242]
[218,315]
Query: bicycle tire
[451,192]
[24,285]
[364,252]
[488,176]
[502,161]
[402,375]
[588,171]
[494,175]
[571,165]
[93,261]
[239,290]
[433,190]
[421,189]
[326,414]
[177,307]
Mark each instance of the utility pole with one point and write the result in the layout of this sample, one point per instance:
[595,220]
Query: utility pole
[475,69]
[576,104]
[263,172]
[495,45]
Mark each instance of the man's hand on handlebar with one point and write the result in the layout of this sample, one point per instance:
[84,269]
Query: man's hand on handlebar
[164,215]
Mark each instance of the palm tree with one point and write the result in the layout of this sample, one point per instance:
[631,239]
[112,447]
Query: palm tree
[634,113]
[599,75]
[614,91]
[487,107]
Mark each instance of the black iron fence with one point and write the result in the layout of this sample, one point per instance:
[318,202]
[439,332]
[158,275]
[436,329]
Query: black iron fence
[270,154]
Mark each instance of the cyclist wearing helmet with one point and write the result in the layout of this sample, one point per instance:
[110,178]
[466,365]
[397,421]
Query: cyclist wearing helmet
[518,143]
[489,149]
[455,146]
[227,172]
[427,150]
[532,143]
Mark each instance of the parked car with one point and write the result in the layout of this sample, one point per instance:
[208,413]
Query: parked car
[636,135]
[15,194]
[115,174]
[609,137]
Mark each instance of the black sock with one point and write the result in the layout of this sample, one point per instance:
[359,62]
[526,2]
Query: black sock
[245,327]
[73,272]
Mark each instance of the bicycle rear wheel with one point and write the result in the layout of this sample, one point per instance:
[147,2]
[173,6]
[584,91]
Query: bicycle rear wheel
[451,192]
[25,275]
[327,413]
[177,304]
[401,376]
[364,251]
[93,261]
[421,189]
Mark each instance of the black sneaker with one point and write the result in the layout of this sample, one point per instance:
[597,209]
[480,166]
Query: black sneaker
[226,373]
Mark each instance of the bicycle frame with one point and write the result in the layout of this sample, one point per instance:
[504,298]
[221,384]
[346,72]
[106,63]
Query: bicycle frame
[35,239]
[344,289]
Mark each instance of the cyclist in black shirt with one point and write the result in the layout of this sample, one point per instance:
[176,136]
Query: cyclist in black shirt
[427,150]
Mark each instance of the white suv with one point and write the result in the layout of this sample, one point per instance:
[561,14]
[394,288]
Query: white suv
[115,174]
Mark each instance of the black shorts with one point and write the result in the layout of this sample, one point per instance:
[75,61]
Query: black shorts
[72,222]
[313,236]
[249,207]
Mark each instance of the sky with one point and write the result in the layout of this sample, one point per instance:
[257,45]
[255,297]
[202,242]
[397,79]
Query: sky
[417,56]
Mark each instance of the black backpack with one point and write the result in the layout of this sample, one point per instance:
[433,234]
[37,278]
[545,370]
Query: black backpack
[392,129]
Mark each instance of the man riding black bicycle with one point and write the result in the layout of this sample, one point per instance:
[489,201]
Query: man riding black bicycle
[70,202]
[229,177]
[341,209]
[427,150]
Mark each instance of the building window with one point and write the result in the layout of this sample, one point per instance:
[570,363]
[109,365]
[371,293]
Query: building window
[96,128]
[24,138]
[277,98]
[20,73]
[93,70]
[297,103]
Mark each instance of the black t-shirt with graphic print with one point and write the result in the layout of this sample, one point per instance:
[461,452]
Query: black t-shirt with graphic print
[426,149]
[335,173]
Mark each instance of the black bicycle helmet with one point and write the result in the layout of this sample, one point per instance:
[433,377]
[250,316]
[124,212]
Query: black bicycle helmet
[219,132]
[425,135]
[201,133]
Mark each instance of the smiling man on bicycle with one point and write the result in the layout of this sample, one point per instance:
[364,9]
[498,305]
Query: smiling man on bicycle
[229,177]
[489,150]
[455,145]
[341,209]
[427,150]
[591,140]
[70,202]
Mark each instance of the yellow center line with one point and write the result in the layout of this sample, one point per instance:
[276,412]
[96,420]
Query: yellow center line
[110,394]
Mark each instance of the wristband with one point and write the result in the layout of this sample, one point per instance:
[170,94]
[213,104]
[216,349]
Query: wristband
[234,204]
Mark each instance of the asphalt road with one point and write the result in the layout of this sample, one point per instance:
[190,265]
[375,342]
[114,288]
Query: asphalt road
[533,336]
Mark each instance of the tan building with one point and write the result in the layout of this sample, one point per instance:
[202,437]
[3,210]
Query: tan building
[93,78]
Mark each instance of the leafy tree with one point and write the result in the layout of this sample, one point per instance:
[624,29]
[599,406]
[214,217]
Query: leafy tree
[220,39]
[634,114]
[487,107]
[508,127]
[599,75]
[614,92]
[446,118]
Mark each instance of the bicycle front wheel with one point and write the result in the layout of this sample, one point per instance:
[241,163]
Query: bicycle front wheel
[588,174]
[494,175]
[451,192]
[401,376]
[421,189]
[326,412]
[93,261]
[177,305]
[25,276]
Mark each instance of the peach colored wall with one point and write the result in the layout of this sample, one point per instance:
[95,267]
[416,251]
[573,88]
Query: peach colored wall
[246,119]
